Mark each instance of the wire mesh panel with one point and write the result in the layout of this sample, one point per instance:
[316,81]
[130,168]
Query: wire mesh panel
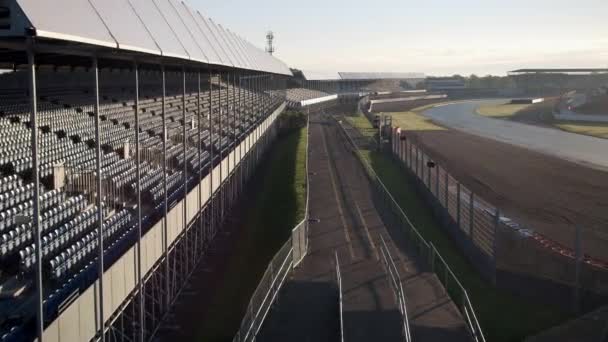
[452,197]
[484,224]
[441,196]
[465,209]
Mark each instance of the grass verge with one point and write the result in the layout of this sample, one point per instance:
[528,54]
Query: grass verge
[594,129]
[278,199]
[503,110]
[541,113]
[413,120]
[504,317]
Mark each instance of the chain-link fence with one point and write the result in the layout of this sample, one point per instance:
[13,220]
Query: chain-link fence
[502,250]
[471,221]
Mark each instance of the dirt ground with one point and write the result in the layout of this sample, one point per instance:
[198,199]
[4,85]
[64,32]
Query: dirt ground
[547,194]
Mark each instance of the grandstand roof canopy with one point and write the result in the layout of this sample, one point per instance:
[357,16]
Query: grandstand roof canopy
[559,71]
[345,76]
[320,75]
[167,28]
[379,75]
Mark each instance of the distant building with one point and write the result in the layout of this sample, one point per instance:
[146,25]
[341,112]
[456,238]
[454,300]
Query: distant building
[444,83]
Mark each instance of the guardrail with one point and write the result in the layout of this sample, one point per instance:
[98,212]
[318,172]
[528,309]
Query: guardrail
[395,280]
[284,261]
[393,214]
[339,281]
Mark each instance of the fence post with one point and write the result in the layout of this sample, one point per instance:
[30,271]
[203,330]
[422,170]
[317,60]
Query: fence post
[577,270]
[471,213]
[494,243]
[428,176]
[410,154]
[458,204]
[437,182]
[447,186]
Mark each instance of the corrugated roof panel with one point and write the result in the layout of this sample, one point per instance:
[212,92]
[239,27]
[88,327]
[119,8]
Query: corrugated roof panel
[167,27]
[264,59]
[235,52]
[321,75]
[204,26]
[237,48]
[202,41]
[253,53]
[239,45]
[218,35]
[161,32]
[181,31]
[84,24]
[125,26]
[247,51]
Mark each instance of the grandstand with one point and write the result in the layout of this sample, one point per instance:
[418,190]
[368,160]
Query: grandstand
[127,130]
[357,82]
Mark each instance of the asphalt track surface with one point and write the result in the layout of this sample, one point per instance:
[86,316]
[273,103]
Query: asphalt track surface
[341,201]
[578,148]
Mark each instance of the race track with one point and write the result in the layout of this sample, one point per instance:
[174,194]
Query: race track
[574,147]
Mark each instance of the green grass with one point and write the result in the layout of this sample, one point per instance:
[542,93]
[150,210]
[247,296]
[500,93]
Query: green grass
[594,129]
[413,120]
[502,315]
[503,110]
[542,113]
[277,204]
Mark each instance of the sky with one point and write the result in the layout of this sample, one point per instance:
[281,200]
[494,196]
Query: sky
[434,37]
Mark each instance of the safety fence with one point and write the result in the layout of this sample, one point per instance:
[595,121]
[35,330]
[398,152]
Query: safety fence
[340,302]
[395,281]
[503,251]
[284,261]
[472,222]
[392,215]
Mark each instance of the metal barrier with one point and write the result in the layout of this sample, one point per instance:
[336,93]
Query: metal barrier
[395,280]
[284,261]
[339,281]
[503,251]
[393,214]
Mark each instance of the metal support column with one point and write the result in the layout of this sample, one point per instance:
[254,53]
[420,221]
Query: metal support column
[36,199]
[221,135]
[240,101]
[200,229]
[165,190]
[185,170]
[235,138]
[139,227]
[100,265]
[212,164]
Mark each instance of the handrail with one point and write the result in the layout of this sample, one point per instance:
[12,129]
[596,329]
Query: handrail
[339,281]
[466,306]
[395,279]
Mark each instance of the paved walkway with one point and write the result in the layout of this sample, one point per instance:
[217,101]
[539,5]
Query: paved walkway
[570,146]
[341,200]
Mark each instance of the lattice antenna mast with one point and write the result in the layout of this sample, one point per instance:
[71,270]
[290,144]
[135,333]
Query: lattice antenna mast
[269,45]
